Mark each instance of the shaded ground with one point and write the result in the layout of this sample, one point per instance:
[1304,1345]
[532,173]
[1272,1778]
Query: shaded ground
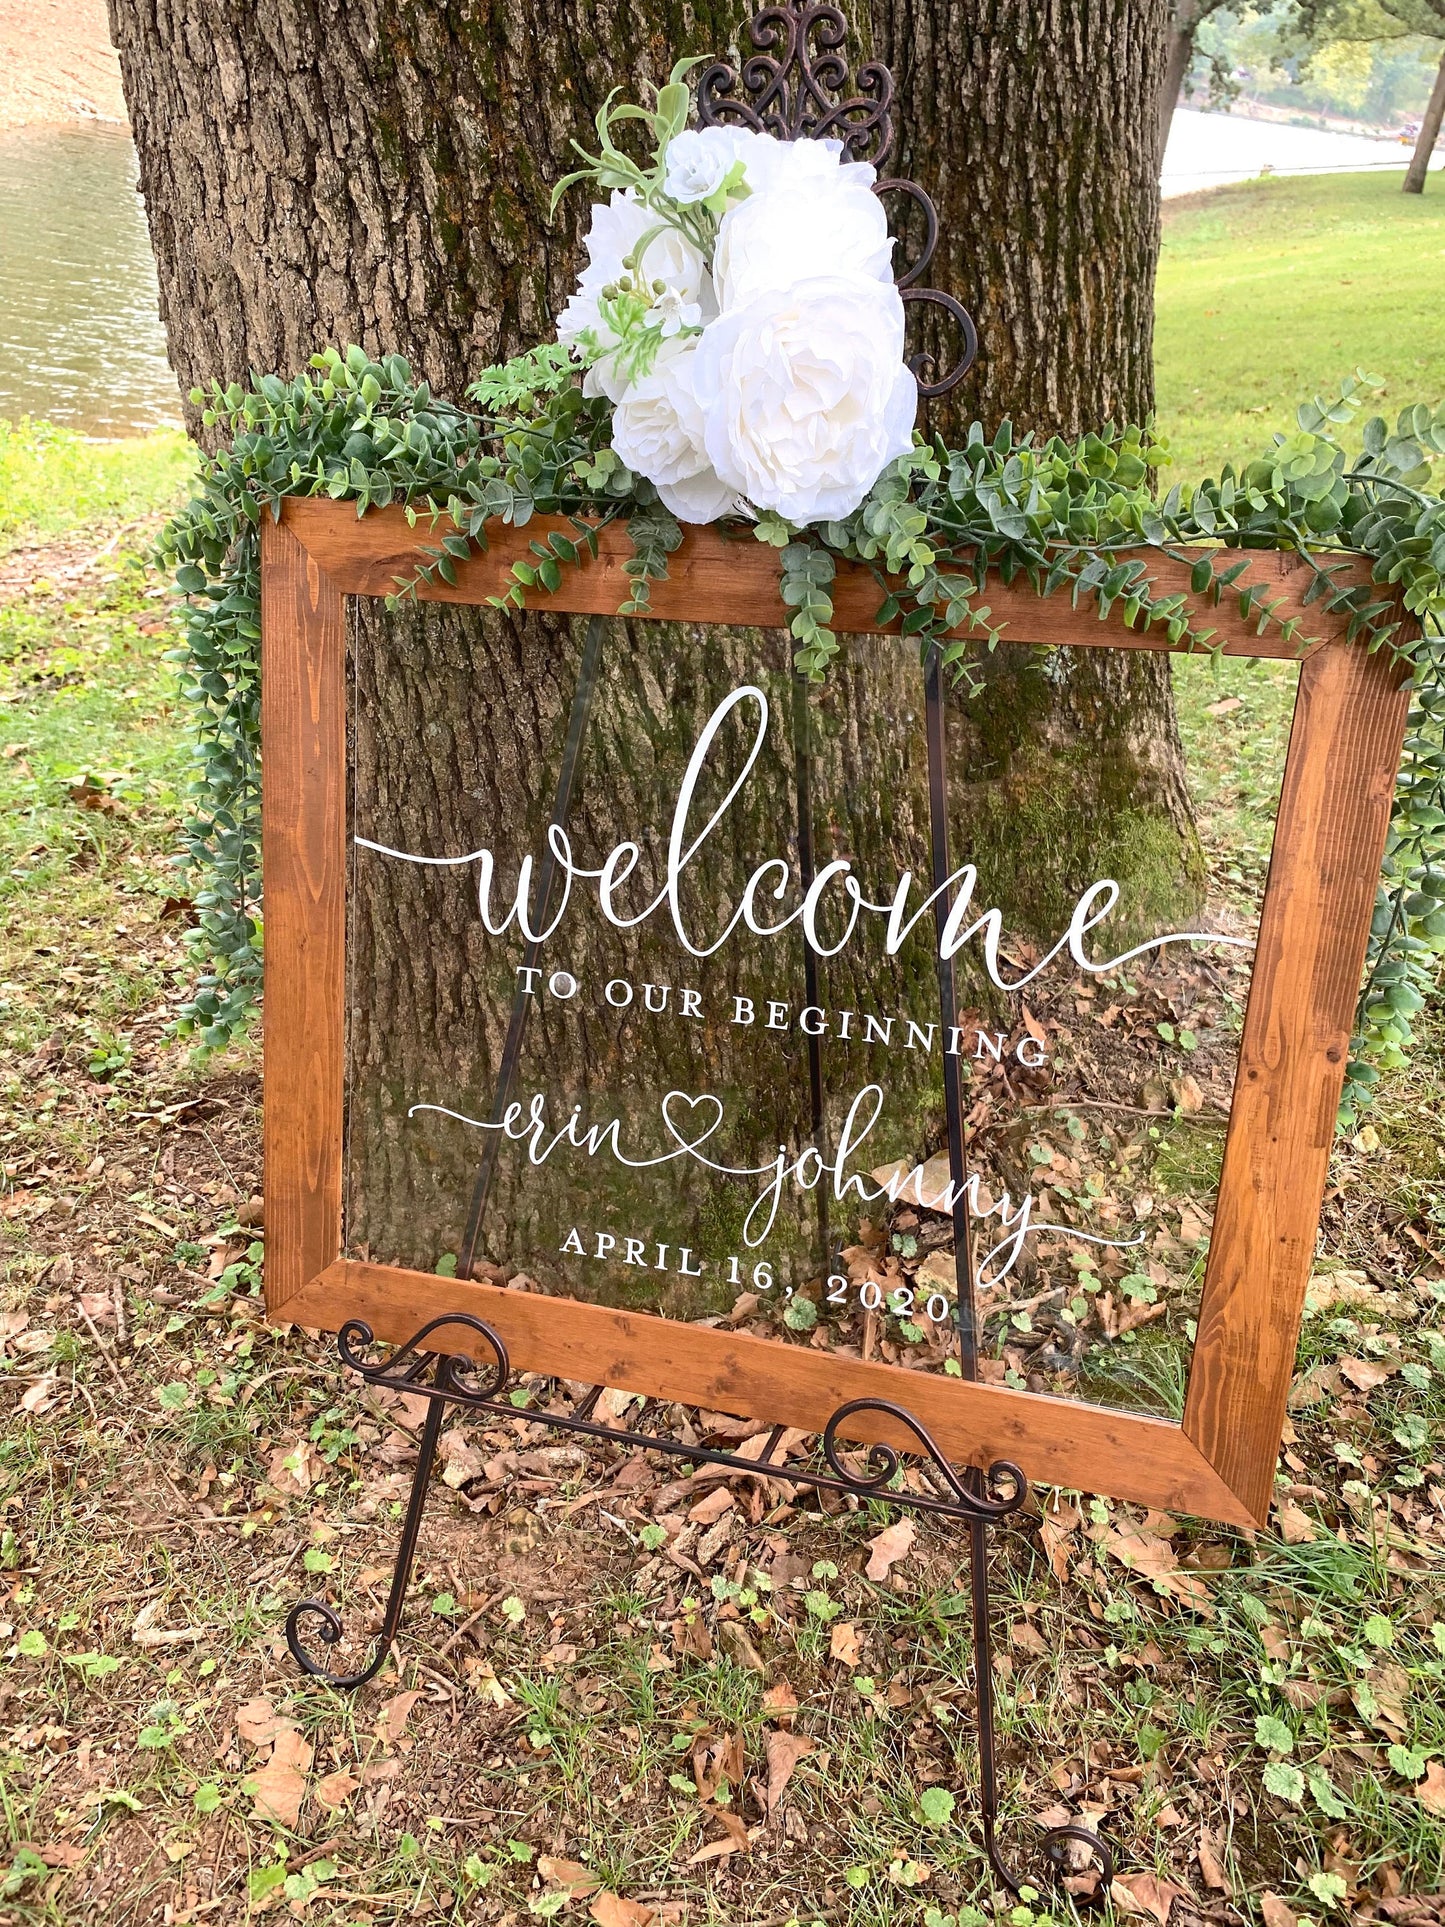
[691,1694]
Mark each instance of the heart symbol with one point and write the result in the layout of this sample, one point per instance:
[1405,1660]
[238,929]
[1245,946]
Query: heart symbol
[682,1097]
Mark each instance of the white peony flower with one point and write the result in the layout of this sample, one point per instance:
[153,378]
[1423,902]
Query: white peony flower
[617,226]
[657,429]
[774,163]
[805,221]
[804,395]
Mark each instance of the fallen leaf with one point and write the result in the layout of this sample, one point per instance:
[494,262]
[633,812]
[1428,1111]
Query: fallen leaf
[1188,1096]
[391,1720]
[292,1467]
[60,1853]
[461,1461]
[893,1543]
[708,1511]
[1296,1527]
[570,1875]
[1028,1638]
[1365,1373]
[784,1752]
[1431,1790]
[1210,1865]
[691,1638]
[844,1644]
[41,1396]
[927,1186]
[780,1703]
[737,1643]
[611,1910]
[1390,1687]
[1154,1558]
[1146,1893]
[1057,1526]
[734,1840]
[335,1790]
[279,1787]
[1275,1912]
[1226,706]
[256,1722]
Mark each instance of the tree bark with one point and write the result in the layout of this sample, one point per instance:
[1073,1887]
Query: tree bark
[380,173]
[1429,133]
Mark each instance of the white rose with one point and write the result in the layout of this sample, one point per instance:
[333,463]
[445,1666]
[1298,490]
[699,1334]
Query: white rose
[805,396]
[698,161]
[617,226]
[657,429]
[799,226]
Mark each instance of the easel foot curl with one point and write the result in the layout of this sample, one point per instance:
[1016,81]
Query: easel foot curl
[977,1498]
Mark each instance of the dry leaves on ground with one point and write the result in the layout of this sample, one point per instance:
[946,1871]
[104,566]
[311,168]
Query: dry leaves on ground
[893,1543]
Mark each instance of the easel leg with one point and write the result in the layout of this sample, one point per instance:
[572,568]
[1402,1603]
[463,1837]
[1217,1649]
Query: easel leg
[329,1630]
[1055,1841]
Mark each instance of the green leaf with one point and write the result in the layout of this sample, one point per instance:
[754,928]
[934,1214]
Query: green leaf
[1330,1888]
[1285,1781]
[32,1644]
[1272,1734]
[265,1880]
[936,1804]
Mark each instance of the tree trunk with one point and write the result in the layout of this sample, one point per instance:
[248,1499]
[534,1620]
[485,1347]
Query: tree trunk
[1183,25]
[1429,133]
[380,173]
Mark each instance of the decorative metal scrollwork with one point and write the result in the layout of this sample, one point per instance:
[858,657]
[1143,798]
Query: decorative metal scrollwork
[437,1377]
[795,69]
[452,1374]
[979,1496]
[794,78]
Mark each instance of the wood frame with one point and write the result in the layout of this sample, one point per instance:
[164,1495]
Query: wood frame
[1344,751]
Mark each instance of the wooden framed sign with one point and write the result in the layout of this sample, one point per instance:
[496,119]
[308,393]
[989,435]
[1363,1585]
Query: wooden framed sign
[689,1042]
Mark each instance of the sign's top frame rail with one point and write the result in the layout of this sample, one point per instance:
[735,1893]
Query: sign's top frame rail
[733,581]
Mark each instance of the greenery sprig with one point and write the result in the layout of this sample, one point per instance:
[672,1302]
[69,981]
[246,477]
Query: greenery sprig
[1077,518]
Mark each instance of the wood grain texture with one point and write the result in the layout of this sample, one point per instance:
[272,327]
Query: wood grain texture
[1334,812]
[303,828]
[715,578]
[1056,1441]
[1339,780]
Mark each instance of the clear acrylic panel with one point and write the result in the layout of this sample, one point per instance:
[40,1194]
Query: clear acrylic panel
[648,1012]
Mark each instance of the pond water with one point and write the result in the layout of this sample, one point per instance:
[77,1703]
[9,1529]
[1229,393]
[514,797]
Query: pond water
[81,343]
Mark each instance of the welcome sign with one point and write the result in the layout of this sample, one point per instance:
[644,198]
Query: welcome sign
[707,1058]
[707,1041]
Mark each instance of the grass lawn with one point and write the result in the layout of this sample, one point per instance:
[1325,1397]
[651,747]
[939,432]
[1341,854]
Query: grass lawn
[1271,291]
[582,1695]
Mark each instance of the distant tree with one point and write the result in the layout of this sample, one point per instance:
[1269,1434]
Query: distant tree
[1186,17]
[1318,23]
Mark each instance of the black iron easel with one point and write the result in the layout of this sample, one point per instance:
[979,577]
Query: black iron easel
[794,68]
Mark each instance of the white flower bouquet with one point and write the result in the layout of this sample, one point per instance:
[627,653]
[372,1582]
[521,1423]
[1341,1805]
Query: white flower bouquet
[739,313]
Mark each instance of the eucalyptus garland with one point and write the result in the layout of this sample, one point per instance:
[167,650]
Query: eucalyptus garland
[1078,519]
